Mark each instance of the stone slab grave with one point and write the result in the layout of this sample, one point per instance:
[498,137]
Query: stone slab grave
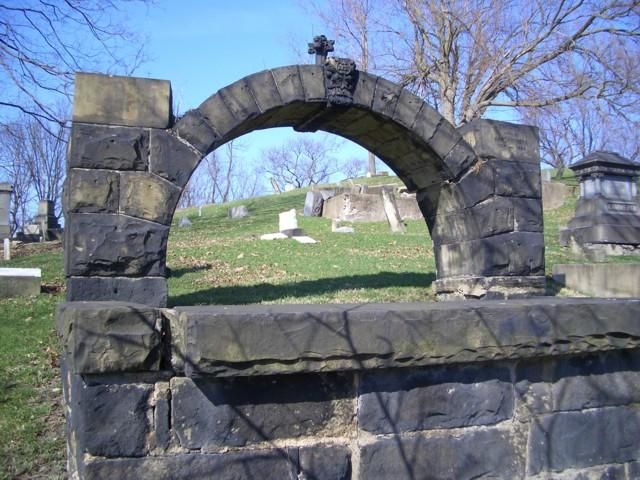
[600,279]
[453,389]
[20,282]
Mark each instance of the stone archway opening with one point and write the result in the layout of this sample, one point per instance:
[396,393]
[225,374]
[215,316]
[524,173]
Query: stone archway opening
[478,187]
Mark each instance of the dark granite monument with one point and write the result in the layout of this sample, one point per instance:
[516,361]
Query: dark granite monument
[607,218]
[512,389]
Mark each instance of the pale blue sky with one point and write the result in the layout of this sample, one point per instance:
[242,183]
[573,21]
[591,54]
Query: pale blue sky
[202,46]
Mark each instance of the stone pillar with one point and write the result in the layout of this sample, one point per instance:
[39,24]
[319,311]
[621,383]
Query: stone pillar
[5,198]
[121,189]
[492,245]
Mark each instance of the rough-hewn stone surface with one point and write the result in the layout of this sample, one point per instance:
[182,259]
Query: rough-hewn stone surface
[113,420]
[313,463]
[148,196]
[413,400]
[582,439]
[173,159]
[250,340]
[114,100]
[150,291]
[263,465]
[109,336]
[210,414]
[488,453]
[506,141]
[106,147]
[92,191]
[114,245]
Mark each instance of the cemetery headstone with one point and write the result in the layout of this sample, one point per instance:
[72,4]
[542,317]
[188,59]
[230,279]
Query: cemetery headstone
[19,282]
[240,211]
[5,197]
[184,222]
[391,211]
[607,216]
[289,223]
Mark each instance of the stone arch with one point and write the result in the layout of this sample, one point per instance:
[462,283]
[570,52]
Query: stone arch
[128,166]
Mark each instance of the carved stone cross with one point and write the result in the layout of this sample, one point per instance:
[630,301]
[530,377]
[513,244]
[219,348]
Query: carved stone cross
[320,47]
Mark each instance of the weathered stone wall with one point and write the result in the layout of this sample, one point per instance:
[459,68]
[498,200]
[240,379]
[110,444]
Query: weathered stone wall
[531,389]
[129,160]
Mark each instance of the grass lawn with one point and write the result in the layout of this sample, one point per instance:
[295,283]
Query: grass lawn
[215,261]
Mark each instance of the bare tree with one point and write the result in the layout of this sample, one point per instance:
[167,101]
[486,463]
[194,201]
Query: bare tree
[44,42]
[221,177]
[467,56]
[300,162]
[571,130]
[14,170]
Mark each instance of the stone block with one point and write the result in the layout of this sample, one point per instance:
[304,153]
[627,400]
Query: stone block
[211,414]
[607,379]
[172,159]
[151,291]
[114,245]
[582,439]
[533,388]
[101,337]
[489,218]
[113,420]
[365,88]
[527,214]
[20,282]
[255,464]
[331,462]
[459,159]
[385,97]
[162,415]
[194,129]
[487,453]
[114,100]
[397,401]
[272,339]
[313,204]
[407,108]
[600,279]
[217,115]
[264,89]
[490,288]
[289,84]
[110,148]
[519,254]
[238,97]
[517,179]
[148,197]
[92,191]
[312,78]
[503,141]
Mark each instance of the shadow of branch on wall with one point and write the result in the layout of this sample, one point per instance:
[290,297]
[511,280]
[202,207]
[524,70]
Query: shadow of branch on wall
[247,294]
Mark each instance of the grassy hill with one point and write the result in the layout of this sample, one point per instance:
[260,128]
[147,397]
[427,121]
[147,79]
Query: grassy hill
[215,260]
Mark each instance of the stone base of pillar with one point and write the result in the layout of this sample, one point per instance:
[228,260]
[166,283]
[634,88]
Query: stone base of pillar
[457,288]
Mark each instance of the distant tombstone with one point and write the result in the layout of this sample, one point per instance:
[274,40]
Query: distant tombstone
[5,198]
[545,175]
[391,211]
[240,211]
[313,204]
[184,222]
[607,217]
[46,219]
[288,223]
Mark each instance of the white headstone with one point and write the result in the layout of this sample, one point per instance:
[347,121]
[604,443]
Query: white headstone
[7,249]
[288,220]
